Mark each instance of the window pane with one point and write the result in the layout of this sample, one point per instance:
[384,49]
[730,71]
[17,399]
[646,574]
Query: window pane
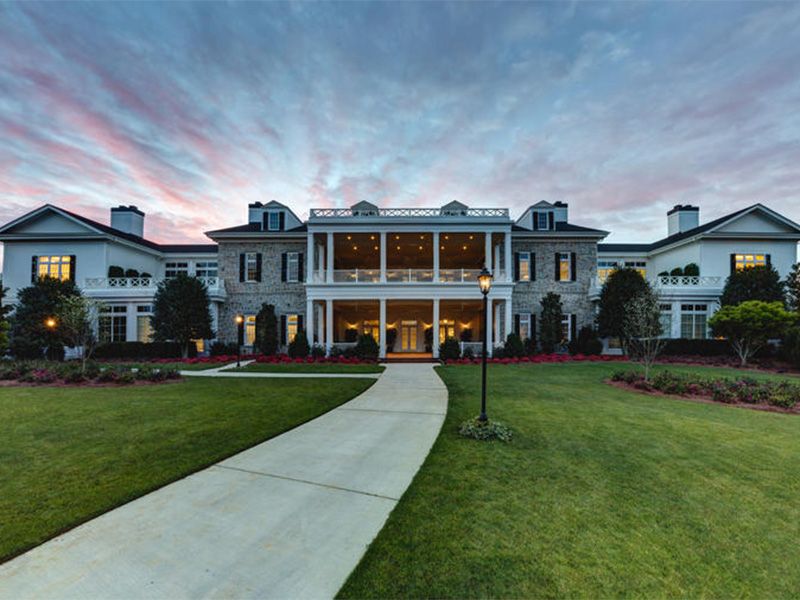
[564,267]
[250,330]
[686,326]
[144,331]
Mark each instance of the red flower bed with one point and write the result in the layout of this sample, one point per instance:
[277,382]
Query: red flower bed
[204,360]
[284,358]
[540,358]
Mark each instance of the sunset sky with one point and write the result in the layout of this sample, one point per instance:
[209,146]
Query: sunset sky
[190,111]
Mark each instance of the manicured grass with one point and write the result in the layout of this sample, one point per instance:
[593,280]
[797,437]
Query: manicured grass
[602,493]
[68,454]
[176,365]
[307,368]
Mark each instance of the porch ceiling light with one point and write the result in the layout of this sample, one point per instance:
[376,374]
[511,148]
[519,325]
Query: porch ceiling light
[485,281]
[50,323]
[239,319]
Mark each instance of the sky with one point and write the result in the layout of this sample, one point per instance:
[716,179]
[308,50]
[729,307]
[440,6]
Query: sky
[192,111]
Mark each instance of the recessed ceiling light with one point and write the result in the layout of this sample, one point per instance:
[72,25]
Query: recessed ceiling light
[464,248]
[420,247]
[349,237]
[398,247]
[447,237]
[472,237]
[376,247]
[441,248]
[355,247]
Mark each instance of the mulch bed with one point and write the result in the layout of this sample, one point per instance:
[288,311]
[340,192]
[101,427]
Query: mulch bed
[704,399]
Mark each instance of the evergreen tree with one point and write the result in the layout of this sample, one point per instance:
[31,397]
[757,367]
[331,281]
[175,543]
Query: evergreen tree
[755,283]
[267,330]
[618,289]
[180,311]
[4,324]
[550,332]
[792,285]
[36,304]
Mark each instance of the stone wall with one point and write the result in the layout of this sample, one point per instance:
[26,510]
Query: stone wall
[246,298]
[527,295]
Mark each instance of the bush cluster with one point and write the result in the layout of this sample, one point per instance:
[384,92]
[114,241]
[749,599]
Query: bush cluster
[340,358]
[586,342]
[744,390]
[143,351]
[40,372]
[485,430]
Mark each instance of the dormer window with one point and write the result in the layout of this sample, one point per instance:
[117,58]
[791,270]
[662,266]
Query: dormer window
[543,220]
[273,221]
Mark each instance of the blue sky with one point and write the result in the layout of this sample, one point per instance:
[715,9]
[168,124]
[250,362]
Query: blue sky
[190,111]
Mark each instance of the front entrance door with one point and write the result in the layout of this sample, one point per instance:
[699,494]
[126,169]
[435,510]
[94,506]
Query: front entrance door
[408,336]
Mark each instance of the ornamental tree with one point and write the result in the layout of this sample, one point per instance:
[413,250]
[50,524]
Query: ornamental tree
[267,330]
[642,329]
[618,289]
[754,283]
[180,312]
[75,318]
[550,333]
[792,285]
[749,325]
[36,304]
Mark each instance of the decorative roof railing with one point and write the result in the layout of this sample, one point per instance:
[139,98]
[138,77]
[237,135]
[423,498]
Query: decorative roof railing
[338,213]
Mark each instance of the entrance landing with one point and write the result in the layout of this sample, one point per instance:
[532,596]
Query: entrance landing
[410,357]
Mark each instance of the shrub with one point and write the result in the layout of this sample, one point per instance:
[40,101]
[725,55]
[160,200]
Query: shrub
[468,353]
[485,430]
[142,350]
[131,273]
[224,349]
[107,376]
[691,270]
[366,347]
[697,347]
[125,377]
[450,349]
[586,342]
[74,376]
[466,334]
[298,347]
[317,351]
[756,283]
[676,272]
[785,395]
[669,383]
[530,346]
[391,338]
[514,348]
[115,271]
[790,349]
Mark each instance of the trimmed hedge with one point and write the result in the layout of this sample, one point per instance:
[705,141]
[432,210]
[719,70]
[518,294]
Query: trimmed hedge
[142,350]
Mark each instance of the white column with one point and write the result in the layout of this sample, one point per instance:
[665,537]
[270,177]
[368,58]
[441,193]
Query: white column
[509,266]
[309,262]
[321,258]
[329,268]
[435,273]
[489,328]
[383,256]
[509,318]
[130,323]
[676,320]
[496,333]
[487,262]
[382,325]
[496,264]
[328,325]
[310,320]
[320,325]
[435,345]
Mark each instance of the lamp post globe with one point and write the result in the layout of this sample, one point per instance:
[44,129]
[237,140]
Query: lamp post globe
[485,284]
[239,338]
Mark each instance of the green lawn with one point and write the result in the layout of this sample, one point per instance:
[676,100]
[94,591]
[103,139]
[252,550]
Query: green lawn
[68,454]
[307,368]
[602,493]
[176,365]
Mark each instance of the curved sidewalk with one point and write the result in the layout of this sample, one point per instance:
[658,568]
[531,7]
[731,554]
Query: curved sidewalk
[290,517]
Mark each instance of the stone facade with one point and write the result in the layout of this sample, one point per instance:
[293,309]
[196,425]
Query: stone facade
[527,295]
[246,298]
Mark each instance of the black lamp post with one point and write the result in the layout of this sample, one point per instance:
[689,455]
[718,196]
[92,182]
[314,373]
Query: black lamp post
[240,338]
[485,283]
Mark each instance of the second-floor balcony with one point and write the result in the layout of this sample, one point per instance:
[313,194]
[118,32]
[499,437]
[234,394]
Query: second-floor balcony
[689,281]
[142,286]
[404,276]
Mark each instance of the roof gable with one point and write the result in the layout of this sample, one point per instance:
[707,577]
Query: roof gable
[48,220]
[757,220]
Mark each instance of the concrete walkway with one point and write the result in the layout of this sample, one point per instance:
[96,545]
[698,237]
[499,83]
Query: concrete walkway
[289,518]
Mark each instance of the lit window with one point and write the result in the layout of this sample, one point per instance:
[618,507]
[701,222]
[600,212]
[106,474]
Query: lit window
[274,221]
[292,322]
[251,266]
[112,324]
[372,328]
[173,269]
[524,326]
[447,329]
[292,266]
[543,221]
[57,267]
[665,318]
[566,329]
[206,269]
[524,266]
[748,261]
[564,266]
[693,321]
[605,268]
[144,328]
[249,330]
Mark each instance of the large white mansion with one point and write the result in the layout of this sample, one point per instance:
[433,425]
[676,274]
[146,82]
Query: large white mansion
[407,276]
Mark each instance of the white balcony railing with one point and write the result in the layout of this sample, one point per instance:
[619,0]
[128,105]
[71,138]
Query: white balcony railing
[691,281]
[409,275]
[403,276]
[357,275]
[104,283]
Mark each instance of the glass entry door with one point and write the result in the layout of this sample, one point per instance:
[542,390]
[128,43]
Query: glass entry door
[408,336]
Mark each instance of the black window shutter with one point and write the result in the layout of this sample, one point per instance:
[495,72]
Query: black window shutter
[573,327]
[283,266]
[535,221]
[516,266]
[283,330]
[733,263]
[300,323]
[551,221]
[533,266]
[264,221]
[258,266]
[769,260]
[558,267]
[299,266]
[34,264]
[72,264]
[282,221]
[573,266]
[241,266]
[516,324]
